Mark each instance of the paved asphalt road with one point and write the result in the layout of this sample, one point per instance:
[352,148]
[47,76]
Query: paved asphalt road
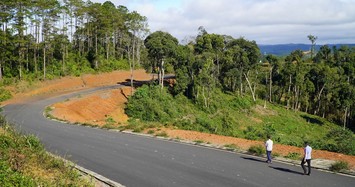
[134,160]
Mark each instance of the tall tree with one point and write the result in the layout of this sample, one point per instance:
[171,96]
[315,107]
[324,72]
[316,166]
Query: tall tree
[138,27]
[272,60]
[161,46]
[313,42]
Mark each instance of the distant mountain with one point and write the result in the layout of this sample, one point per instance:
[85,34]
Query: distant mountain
[286,49]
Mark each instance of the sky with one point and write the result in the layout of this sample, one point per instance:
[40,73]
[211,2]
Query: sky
[264,21]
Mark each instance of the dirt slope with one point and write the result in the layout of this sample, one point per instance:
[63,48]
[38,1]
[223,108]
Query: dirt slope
[97,108]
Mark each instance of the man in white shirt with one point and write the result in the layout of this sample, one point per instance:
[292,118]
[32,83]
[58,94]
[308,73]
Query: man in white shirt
[307,158]
[268,147]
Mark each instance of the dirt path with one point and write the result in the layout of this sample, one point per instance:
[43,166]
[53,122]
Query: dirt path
[108,107]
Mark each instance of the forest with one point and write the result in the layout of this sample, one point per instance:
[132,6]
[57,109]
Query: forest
[47,39]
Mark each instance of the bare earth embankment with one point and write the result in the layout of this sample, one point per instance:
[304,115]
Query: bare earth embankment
[98,107]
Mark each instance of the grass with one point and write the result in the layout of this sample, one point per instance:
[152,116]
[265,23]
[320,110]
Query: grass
[24,162]
[199,141]
[162,134]
[151,131]
[232,147]
[257,150]
[339,166]
[293,156]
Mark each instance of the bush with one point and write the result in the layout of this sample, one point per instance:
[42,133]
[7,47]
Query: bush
[4,94]
[339,165]
[252,133]
[344,141]
[293,156]
[256,150]
[151,103]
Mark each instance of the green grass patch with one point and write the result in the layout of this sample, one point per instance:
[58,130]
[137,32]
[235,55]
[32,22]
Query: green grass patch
[24,162]
[199,141]
[151,131]
[162,134]
[339,166]
[4,94]
[232,147]
[256,150]
[293,156]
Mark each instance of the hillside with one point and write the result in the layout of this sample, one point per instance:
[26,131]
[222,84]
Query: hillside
[286,49]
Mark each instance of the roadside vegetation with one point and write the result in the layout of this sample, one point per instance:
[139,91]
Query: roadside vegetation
[234,116]
[24,162]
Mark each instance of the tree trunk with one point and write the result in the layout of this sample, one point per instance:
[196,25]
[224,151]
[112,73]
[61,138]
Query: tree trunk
[270,84]
[44,62]
[250,87]
[345,117]
[162,74]
[96,49]
[289,93]
[1,61]
[319,99]
[132,64]
[107,46]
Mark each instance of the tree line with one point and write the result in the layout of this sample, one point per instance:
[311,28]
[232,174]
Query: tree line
[49,38]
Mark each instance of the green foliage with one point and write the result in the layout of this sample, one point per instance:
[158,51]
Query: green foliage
[8,177]
[344,141]
[151,131]
[256,150]
[232,147]
[199,141]
[293,156]
[162,134]
[4,94]
[339,165]
[251,133]
[150,103]
[110,121]
[23,158]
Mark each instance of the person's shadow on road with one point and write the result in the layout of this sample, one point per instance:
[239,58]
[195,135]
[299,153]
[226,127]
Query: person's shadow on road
[252,159]
[286,170]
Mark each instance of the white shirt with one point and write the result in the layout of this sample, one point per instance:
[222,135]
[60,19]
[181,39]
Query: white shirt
[268,145]
[308,152]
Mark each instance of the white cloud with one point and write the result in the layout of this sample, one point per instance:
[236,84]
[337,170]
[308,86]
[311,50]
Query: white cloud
[265,21]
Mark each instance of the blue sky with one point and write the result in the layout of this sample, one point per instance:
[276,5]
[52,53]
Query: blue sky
[265,21]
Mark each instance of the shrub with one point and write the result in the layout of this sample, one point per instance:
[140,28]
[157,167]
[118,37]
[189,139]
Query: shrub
[162,134]
[339,165]
[4,94]
[256,150]
[345,141]
[293,156]
[252,133]
[110,121]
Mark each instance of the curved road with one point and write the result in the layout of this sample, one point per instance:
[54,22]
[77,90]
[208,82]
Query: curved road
[134,160]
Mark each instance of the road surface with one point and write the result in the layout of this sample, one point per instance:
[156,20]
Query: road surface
[134,160]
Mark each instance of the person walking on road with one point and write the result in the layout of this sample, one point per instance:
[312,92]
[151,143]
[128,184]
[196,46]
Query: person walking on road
[268,145]
[307,158]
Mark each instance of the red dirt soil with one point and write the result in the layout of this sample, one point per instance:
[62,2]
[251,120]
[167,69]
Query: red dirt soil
[98,107]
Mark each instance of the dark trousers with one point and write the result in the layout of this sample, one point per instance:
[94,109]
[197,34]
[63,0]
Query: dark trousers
[268,153]
[304,167]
